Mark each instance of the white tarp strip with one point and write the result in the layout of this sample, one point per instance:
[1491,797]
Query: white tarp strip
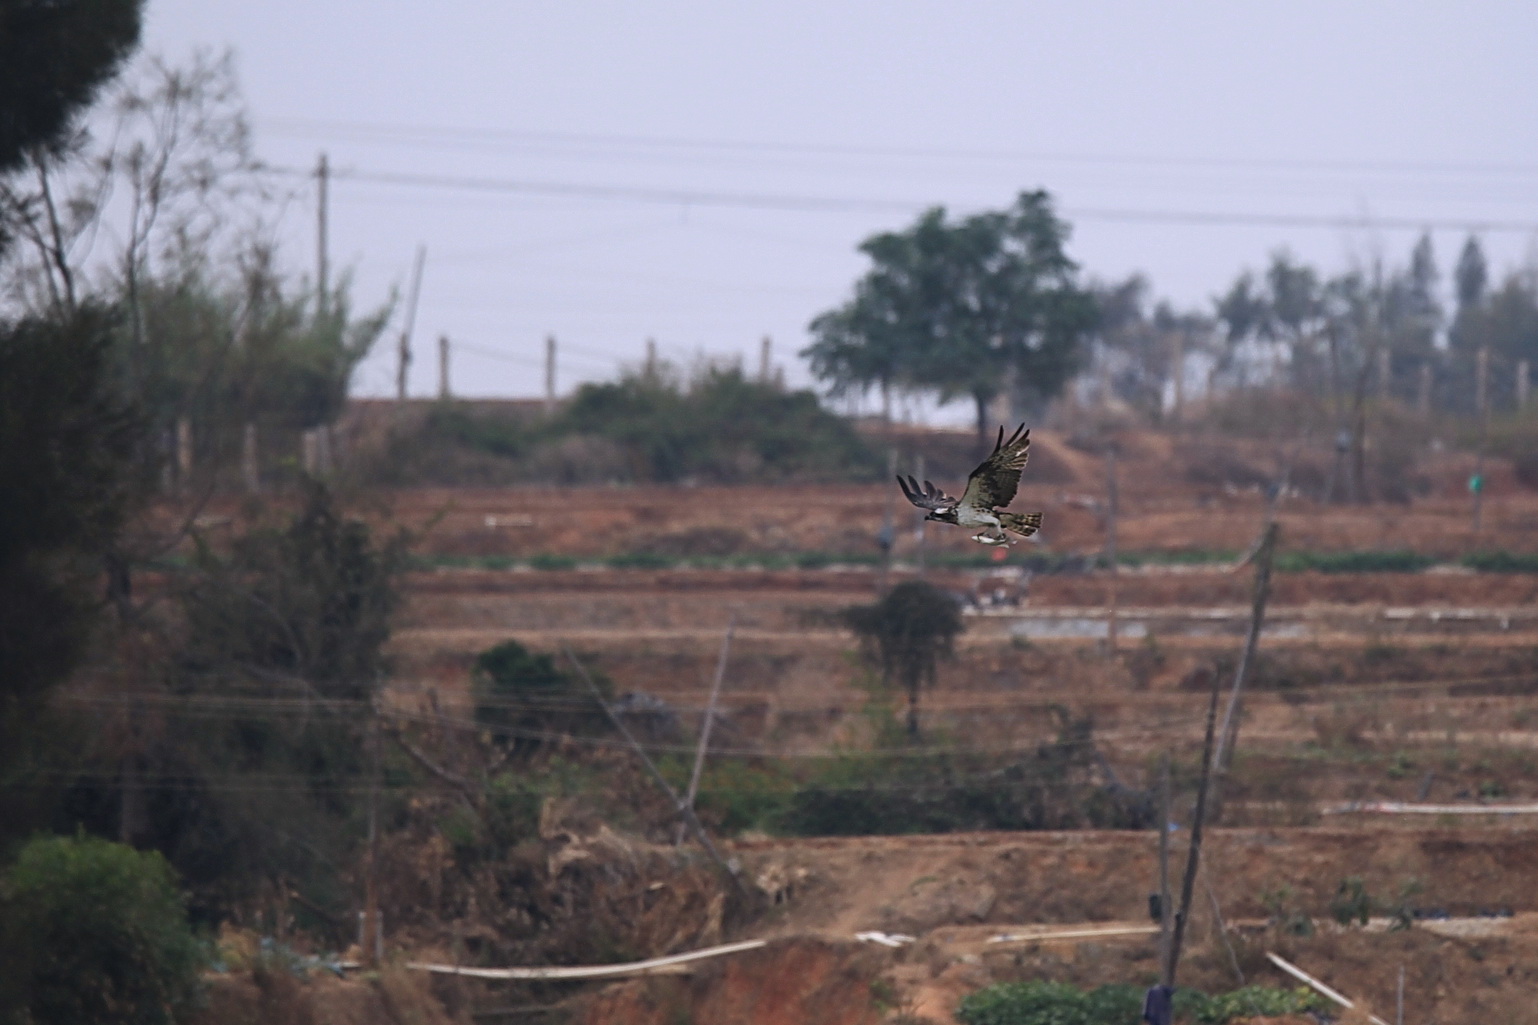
[607,971]
[1309,980]
[1405,808]
[1073,934]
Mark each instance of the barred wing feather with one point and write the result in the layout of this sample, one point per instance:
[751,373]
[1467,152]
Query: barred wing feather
[994,483]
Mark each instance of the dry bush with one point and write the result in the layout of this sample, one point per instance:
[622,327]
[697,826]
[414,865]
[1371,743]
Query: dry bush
[1345,726]
[576,459]
[1215,463]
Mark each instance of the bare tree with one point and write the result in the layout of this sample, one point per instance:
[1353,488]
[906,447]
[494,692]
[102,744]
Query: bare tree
[164,176]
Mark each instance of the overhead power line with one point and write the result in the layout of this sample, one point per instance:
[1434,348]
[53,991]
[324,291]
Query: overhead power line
[523,138]
[849,204]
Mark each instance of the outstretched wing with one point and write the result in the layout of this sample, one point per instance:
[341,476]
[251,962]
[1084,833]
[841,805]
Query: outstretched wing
[926,497]
[994,483]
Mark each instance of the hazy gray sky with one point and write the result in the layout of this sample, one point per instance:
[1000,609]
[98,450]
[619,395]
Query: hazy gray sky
[722,161]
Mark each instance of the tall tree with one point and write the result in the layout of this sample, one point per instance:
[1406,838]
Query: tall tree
[1509,324]
[1472,274]
[294,617]
[975,308]
[1139,350]
[67,447]
[214,333]
[66,436]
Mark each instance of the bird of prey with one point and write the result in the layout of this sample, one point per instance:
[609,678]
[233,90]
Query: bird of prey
[990,487]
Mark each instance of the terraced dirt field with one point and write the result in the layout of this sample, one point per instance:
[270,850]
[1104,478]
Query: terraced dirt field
[1406,686]
[1369,687]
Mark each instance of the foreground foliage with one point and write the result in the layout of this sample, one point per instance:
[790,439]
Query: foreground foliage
[68,447]
[94,932]
[251,780]
[1042,1002]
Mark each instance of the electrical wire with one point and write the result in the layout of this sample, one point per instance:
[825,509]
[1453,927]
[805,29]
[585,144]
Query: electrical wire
[846,204]
[523,138]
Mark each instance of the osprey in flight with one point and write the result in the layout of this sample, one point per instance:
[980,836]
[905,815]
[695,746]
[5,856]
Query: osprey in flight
[991,486]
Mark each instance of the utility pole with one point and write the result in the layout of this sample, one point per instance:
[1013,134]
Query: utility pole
[1482,405]
[1158,1001]
[1178,372]
[705,728]
[1385,372]
[250,469]
[372,930]
[403,363]
[695,826]
[1166,907]
[549,374]
[1110,544]
[322,254]
[765,347]
[183,453]
[1423,400]
[1264,553]
[887,536]
[651,359]
[1482,382]
[443,368]
[1194,852]
[921,529]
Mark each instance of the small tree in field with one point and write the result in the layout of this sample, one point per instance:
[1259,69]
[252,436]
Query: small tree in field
[907,633]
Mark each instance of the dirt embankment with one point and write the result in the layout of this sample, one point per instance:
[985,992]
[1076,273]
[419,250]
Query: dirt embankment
[807,981]
[955,893]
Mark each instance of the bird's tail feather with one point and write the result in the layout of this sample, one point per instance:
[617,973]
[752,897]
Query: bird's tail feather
[1024,524]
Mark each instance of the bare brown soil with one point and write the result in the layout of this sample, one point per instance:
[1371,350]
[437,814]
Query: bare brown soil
[1176,494]
[957,893]
[1353,703]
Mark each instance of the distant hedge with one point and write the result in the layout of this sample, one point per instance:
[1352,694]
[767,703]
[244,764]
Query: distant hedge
[1397,561]
[1502,562]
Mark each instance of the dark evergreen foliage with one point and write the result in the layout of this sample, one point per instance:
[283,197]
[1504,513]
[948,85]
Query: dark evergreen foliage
[523,696]
[68,447]
[54,56]
[907,633]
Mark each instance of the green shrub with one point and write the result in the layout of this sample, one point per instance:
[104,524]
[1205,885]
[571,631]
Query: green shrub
[1115,1002]
[1398,561]
[1502,562]
[521,695]
[500,436]
[1038,1002]
[642,560]
[95,932]
[719,425]
[1042,1002]
[1053,787]
[1178,557]
[1259,1002]
[1352,902]
[736,795]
